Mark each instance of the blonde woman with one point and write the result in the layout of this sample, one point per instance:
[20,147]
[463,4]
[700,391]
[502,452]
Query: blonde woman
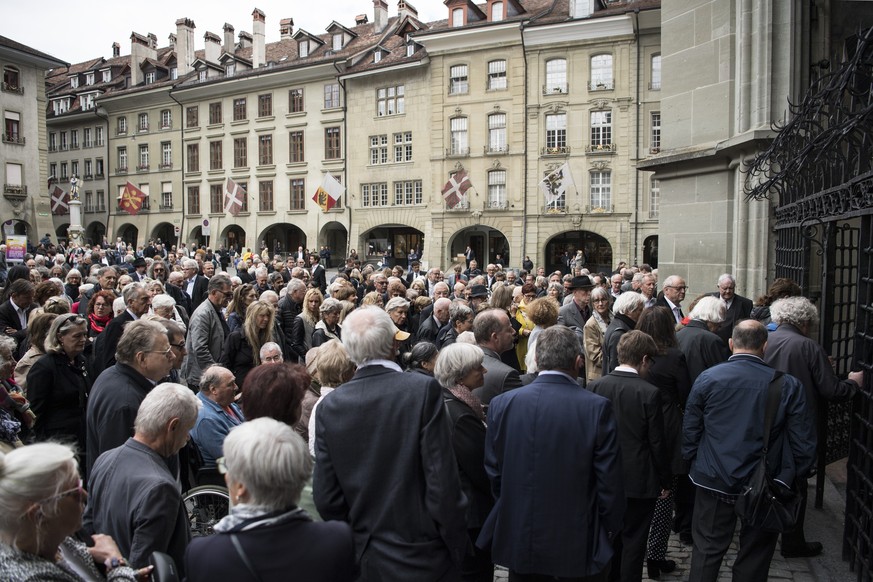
[304,324]
[242,348]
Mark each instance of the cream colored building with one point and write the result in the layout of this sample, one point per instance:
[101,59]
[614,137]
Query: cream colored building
[24,207]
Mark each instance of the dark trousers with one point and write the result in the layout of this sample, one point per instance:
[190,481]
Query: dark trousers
[630,545]
[477,565]
[684,500]
[796,538]
[516,577]
[713,531]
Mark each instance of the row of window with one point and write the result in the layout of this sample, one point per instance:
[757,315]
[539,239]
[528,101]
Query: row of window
[91,77]
[62,141]
[92,169]
[600,134]
[265,195]
[239,108]
[406,193]
[142,122]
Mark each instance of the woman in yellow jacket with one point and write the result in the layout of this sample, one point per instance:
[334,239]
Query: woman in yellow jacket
[529,293]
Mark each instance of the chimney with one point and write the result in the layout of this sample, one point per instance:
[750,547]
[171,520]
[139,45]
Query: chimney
[361,19]
[245,39]
[286,28]
[140,49]
[153,40]
[184,46]
[258,32]
[213,47]
[172,40]
[406,9]
[380,15]
[228,38]
[116,49]
[582,9]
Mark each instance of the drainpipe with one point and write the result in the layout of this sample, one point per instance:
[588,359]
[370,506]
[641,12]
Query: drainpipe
[345,163]
[637,146]
[184,156]
[105,171]
[524,152]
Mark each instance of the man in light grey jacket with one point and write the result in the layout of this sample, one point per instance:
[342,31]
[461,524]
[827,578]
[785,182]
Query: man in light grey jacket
[207,330]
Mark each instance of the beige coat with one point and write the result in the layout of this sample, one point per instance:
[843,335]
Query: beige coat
[593,344]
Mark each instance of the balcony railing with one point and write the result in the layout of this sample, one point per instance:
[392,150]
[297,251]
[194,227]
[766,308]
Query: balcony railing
[555,151]
[655,150]
[165,206]
[458,152]
[99,175]
[15,189]
[10,88]
[497,204]
[609,209]
[121,170]
[88,176]
[555,208]
[74,146]
[555,89]
[601,85]
[99,143]
[121,131]
[142,168]
[165,166]
[13,138]
[655,85]
[53,148]
[462,204]
[88,144]
[601,148]
[143,127]
[492,150]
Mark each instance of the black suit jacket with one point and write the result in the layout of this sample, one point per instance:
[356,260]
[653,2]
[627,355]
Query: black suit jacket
[644,456]
[386,427]
[199,294]
[428,330]
[662,301]
[288,312]
[702,348]
[181,297]
[319,277]
[106,343]
[740,309]
[9,318]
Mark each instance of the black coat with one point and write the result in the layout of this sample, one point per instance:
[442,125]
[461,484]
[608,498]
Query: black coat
[620,325]
[319,277]
[669,373]
[9,318]
[298,549]
[288,311]
[106,343]
[702,348]
[740,309]
[199,292]
[58,393]
[236,355]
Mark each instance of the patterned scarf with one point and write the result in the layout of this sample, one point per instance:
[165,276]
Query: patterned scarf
[463,394]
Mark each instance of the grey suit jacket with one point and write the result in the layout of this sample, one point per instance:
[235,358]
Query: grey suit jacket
[570,316]
[499,378]
[204,342]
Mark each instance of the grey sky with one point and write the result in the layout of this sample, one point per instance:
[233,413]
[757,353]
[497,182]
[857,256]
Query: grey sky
[76,33]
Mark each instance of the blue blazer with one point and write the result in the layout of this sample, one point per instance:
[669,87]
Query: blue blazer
[552,456]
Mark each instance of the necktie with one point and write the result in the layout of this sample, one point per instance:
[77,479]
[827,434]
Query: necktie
[676,314]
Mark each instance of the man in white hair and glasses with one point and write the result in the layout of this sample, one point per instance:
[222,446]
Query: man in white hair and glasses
[410,452]
[134,497]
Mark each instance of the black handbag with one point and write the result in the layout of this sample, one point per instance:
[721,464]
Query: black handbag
[766,504]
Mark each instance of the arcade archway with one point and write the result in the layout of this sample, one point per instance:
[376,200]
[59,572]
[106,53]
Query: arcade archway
[392,242]
[650,251]
[128,233]
[94,232]
[165,232]
[233,237]
[489,245]
[283,238]
[336,238]
[596,249]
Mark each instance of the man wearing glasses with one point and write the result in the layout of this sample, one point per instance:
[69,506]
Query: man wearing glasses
[207,330]
[737,307]
[138,301]
[674,294]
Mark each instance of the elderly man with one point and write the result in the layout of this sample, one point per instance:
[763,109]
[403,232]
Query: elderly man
[195,284]
[106,278]
[429,329]
[627,310]
[674,295]
[15,311]
[271,353]
[133,494]
[647,289]
[645,457]
[615,285]
[137,300]
[495,335]
[144,358]
[290,307]
[577,311]
[790,350]
[737,307]
[218,413]
[427,540]
[723,438]
[558,507]
[206,330]
[175,288]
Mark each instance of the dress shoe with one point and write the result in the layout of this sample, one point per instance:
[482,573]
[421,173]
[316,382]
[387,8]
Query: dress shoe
[655,567]
[807,550]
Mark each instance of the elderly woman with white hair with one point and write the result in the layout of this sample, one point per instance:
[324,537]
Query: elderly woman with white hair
[328,327]
[267,536]
[698,340]
[41,503]
[165,306]
[459,370]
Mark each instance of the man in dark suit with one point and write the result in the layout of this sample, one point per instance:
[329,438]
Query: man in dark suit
[576,312]
[15,311]
[195,283]
[557,507]
[137,300]
[645,459]
[319,276]
[737,306]
[674,294]
[429,328]
[355,460]
[289,308]
[106,278]
[139,270]
[495,335]
[414,272]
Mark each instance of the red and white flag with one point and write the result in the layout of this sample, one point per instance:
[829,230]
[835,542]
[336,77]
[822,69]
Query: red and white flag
[60,201]
[234,197]
[456,188]
[131,200]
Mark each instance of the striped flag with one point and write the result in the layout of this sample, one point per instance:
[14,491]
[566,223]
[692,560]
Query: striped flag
[234,197]
[456,188]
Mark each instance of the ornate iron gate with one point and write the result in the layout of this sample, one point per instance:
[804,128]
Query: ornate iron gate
[820,166]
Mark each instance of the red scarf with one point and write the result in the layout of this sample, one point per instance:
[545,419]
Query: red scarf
[98,324]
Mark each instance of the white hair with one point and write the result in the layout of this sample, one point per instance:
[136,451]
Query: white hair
[709,309]
[456,361]
[162,300]
[118,306]
[796,311]
[269,346]
[368,334]
[628,303]
[165,402]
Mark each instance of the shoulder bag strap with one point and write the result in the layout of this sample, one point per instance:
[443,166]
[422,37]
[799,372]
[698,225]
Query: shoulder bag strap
[774,392]
[244,557]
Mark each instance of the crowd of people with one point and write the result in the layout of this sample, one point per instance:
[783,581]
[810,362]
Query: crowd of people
[558,424]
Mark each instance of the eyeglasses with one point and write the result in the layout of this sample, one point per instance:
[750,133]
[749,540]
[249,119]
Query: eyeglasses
[78,490]
[180,346]
[166,353]
[221,466]
[678,288]
[273,359]
[601,300]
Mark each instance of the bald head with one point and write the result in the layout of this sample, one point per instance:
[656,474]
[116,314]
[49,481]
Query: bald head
[749,337]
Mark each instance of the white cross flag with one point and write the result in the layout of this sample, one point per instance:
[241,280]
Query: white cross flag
[234,196]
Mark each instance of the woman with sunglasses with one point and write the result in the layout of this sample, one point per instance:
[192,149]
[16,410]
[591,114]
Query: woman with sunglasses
[57,384]
[41,504]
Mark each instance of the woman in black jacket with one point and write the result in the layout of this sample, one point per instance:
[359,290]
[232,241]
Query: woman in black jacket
[459,371]
[242,347]
[58,384]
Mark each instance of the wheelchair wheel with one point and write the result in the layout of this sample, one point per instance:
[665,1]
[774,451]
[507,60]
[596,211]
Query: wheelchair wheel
[205,506]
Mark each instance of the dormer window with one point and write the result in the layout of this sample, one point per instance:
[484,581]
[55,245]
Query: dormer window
[74,82]
[337,40]
[410,49]
[201,75]
[150,77]
[497,11]
[107,75]
[458,17]
[377,56]
[230,69]
[88,101]
[174,73]
[89,78]
[303,48]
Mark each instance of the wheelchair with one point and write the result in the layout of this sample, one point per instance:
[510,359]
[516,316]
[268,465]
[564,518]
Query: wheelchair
[206,499]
